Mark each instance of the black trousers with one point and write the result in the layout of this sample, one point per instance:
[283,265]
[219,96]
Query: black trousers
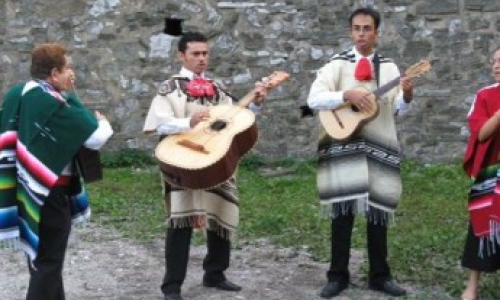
[177,246]
[341,246]
[46,282]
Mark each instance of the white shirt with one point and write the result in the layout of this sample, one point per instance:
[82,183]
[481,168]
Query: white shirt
[100,136]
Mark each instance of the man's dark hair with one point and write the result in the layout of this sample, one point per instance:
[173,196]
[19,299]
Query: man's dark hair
[494,50]
[366,11]
[192,36]
[46,57]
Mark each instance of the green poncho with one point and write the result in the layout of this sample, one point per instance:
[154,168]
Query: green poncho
[40,133]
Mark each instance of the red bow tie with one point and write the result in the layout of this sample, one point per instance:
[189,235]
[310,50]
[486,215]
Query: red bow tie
[363,70]
[200,87]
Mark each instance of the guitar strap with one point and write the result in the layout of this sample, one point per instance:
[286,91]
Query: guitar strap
[376,65]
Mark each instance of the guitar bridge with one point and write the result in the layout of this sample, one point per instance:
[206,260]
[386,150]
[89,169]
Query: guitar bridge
[193,146]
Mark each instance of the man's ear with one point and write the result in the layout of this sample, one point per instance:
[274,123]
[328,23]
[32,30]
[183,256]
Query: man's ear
[53,74]
[181,56]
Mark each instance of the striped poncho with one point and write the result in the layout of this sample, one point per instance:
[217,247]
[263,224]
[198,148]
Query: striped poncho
[361,173]
[40,133]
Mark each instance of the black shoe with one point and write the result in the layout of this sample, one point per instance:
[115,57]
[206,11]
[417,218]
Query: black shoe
[224,285]
[388,287]
[333,288]
[173,297]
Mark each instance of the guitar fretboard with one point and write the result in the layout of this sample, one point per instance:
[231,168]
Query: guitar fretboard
[386,87]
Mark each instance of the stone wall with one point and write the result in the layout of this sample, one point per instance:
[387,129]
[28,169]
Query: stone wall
[121,56]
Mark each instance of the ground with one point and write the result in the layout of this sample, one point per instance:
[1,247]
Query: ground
[103,265]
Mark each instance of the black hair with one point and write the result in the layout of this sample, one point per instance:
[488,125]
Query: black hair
[191,36]
[366,11]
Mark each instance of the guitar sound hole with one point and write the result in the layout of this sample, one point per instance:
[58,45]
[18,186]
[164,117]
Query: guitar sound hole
[218,125]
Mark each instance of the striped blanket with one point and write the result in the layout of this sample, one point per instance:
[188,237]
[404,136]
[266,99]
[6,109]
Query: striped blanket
[39,136]
[362,173]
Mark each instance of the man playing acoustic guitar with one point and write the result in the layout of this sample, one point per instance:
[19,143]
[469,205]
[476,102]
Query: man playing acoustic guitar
[182,102]
[360,173]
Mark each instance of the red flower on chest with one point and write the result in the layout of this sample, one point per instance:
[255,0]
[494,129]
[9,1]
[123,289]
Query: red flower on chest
[200,87]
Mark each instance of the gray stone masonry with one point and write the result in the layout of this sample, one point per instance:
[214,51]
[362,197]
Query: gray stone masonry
[121,56]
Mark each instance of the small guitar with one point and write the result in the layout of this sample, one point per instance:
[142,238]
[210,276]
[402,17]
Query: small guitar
[208,154]
[342,122]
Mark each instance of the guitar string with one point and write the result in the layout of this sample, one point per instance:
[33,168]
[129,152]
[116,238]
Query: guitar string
[228,114]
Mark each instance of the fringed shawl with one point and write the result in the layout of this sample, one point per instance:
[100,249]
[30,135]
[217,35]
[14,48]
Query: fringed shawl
[216,209]
[481,165]
[40,133]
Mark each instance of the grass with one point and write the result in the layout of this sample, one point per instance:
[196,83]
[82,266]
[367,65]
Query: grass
[425,243]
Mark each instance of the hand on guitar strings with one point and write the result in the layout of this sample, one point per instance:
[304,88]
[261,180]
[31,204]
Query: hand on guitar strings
[359,98]
[199,116]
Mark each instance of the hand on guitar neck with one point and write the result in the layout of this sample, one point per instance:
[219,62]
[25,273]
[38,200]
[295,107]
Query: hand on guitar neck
[407,86]
[259,92]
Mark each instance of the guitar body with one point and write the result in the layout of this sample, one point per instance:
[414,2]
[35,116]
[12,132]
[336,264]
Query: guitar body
[343,122]
[209,153]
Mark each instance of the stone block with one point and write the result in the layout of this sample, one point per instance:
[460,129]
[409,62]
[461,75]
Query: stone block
[442,7]
[482,5]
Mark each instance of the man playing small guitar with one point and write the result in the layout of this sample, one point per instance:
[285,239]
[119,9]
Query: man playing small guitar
[360,173]
[182,102]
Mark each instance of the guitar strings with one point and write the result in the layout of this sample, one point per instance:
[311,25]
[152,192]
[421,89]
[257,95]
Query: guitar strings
[230,113]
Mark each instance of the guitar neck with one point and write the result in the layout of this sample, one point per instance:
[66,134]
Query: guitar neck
[273,80]
[247,99]
[386,87]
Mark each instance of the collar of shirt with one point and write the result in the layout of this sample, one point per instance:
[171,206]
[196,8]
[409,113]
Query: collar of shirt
[189,74]
[358,55]
[48,88]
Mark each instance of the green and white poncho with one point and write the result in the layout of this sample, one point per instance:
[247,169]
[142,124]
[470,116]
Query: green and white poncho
[40,133]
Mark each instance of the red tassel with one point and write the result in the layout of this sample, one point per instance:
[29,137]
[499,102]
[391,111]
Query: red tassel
[363,70]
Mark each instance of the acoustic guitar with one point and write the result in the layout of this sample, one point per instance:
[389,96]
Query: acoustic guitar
[208,154]
[344,121]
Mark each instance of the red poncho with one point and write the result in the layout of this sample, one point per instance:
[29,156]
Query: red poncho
[481,163]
